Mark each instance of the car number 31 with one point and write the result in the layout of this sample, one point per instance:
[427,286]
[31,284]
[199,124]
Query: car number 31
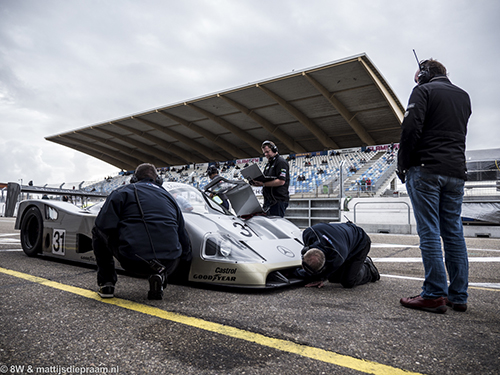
[58,242]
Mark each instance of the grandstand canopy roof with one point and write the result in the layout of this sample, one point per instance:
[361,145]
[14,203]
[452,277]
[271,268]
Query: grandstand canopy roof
[342,104]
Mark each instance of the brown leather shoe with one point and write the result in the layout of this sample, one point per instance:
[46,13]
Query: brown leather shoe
[461,307]
[435,305]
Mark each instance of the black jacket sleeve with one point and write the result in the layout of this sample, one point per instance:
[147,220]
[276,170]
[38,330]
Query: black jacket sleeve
[412,126]
[319,237]
[434,129]
[184,240]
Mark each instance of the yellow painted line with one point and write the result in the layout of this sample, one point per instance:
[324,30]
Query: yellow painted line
[283,345]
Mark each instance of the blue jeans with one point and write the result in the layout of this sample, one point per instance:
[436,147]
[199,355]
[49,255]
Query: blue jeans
[437,205]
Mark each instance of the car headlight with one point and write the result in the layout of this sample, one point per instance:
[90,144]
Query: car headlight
[226,248]
[223,247]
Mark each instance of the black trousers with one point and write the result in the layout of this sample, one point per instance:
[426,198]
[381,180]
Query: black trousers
[105,253]
[354,271]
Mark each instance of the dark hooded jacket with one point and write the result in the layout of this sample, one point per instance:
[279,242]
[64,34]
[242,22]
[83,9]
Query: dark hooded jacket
[121,221]
[434,129]
[339,243]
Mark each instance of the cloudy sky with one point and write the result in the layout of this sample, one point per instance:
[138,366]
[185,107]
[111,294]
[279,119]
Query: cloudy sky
[67,64]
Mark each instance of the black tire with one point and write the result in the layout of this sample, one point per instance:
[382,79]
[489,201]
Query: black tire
[32,232]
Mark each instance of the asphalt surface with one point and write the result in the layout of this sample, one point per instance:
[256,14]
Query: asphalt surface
[52,321]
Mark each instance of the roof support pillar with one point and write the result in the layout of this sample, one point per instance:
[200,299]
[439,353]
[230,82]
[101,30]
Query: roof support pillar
[344,112]
[271,128]
[169,160]
[387,95]
[234,151]
[127,151]
[303,119]
[207,152]
[254,143]
[126,158]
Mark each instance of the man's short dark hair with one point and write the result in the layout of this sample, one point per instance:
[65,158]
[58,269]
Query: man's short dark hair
[144,171]
[212,170]
[435,67]
[315,259]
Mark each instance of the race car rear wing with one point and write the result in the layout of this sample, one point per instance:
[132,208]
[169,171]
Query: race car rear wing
[14,190]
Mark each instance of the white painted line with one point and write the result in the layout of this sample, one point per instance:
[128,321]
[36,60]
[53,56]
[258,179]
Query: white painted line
[392,245]
[9,240]
[419,260]
[486,285]
[481,285]
[6,238]
[498,251]
[398,260]
[403,277]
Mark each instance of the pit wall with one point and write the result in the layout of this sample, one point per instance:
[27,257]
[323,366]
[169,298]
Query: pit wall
[395,215]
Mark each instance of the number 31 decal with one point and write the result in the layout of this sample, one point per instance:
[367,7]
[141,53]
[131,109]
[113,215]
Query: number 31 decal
[58,242]
[244,231]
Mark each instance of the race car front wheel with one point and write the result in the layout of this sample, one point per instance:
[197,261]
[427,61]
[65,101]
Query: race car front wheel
[32,232]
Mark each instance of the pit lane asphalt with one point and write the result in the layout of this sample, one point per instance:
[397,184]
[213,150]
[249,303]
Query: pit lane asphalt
[52,319]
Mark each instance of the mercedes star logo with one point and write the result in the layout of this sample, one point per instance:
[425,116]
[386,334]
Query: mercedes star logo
[283,250]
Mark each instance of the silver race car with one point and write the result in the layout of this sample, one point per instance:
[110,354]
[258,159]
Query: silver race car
[242,249]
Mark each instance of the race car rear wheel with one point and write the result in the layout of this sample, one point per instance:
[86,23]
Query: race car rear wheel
[32,232]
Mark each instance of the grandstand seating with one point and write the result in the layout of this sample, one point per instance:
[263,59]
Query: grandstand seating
[357,165]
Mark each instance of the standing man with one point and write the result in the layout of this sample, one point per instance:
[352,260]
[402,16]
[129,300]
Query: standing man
[275,192]
[337,253]
[432,161]
[142,226]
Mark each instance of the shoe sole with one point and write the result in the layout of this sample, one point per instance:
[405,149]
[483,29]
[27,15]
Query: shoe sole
[155,296]
[456,308]
[436,310]
[373,270]
[105,295]
[165,281]
[155,288]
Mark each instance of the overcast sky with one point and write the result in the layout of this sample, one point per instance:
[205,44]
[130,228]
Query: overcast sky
[69,64]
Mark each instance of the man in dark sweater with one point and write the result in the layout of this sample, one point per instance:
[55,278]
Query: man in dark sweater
[275,192]
[142,226]
[337,253]
[431,160]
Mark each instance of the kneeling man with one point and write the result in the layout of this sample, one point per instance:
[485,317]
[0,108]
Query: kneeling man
[142,226]
[337,253]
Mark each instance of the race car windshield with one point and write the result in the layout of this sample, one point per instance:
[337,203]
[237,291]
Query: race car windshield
[190,199]
[94,208]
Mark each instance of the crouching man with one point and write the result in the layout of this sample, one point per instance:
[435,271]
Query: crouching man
[142,226]
[337,253]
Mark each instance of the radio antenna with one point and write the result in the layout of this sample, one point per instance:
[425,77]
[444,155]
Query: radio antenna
[418,61]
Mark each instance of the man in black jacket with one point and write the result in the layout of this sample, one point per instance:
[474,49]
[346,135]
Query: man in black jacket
[143,227]
[275,192]
[337,253]
[431,160]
